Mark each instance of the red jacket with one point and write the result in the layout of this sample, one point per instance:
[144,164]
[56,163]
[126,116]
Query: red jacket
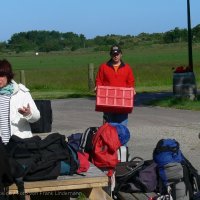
[105,144]
[107,76]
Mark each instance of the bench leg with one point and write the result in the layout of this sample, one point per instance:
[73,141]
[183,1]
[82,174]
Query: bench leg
[97,194]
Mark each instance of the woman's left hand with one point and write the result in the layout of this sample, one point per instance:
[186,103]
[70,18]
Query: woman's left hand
[25,111]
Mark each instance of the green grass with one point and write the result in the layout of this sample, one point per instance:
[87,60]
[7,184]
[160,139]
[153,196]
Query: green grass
[60,94]
[178,103]
[60,74]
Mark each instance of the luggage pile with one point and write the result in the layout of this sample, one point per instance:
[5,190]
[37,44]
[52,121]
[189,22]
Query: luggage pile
[169,174]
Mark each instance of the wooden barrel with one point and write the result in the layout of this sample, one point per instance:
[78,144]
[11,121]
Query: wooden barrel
[184,85]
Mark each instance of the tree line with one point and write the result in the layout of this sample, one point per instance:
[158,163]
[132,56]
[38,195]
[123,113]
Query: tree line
[46,41]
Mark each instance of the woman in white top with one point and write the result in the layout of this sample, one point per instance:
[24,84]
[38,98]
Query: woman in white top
[17,108]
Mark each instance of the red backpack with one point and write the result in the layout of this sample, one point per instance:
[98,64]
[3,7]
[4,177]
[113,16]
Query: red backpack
[105,144]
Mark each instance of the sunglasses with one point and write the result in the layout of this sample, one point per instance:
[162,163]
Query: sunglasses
[115,54]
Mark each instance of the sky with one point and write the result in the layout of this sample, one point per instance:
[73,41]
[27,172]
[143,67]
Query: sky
[96,17]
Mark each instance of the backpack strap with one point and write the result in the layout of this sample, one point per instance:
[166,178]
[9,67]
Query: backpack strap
[191,177]
[20,186]
[74,161]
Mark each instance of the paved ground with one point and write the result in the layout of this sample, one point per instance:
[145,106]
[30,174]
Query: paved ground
[147,124]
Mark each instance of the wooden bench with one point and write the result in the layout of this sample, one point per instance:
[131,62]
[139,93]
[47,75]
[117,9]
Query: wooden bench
[90,185]
[135,196]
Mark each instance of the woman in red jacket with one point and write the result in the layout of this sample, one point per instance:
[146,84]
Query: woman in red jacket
[118,74]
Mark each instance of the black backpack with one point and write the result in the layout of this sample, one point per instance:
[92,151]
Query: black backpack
[86,139]
[34,159]
[10,172]
[42,158]
[136,175]
[6,178]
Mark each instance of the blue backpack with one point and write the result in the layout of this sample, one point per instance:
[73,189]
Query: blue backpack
[168,157]
[174,168]
[167,151]
[123,132]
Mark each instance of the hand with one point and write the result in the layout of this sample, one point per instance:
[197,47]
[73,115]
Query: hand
[134,92]
[25,111]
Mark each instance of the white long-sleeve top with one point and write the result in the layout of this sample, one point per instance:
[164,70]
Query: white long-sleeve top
[19,125]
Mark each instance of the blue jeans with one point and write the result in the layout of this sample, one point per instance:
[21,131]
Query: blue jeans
[116,118]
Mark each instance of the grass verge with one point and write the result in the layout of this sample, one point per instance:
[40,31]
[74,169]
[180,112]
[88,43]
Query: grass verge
[60,94]
[178,103]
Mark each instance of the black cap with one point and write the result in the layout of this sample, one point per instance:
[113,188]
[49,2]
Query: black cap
[115,49]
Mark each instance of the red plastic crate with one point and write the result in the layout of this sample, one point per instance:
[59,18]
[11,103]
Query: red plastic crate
[114,99]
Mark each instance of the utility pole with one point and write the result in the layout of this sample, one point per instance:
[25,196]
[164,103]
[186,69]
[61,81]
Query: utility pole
[184,84]
[189,37]
[192,90]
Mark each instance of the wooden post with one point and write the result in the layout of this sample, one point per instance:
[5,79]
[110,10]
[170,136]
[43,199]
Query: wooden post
[91,83]
[22,77]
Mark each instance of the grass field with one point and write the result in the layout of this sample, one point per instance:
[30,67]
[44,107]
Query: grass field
[62,74]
